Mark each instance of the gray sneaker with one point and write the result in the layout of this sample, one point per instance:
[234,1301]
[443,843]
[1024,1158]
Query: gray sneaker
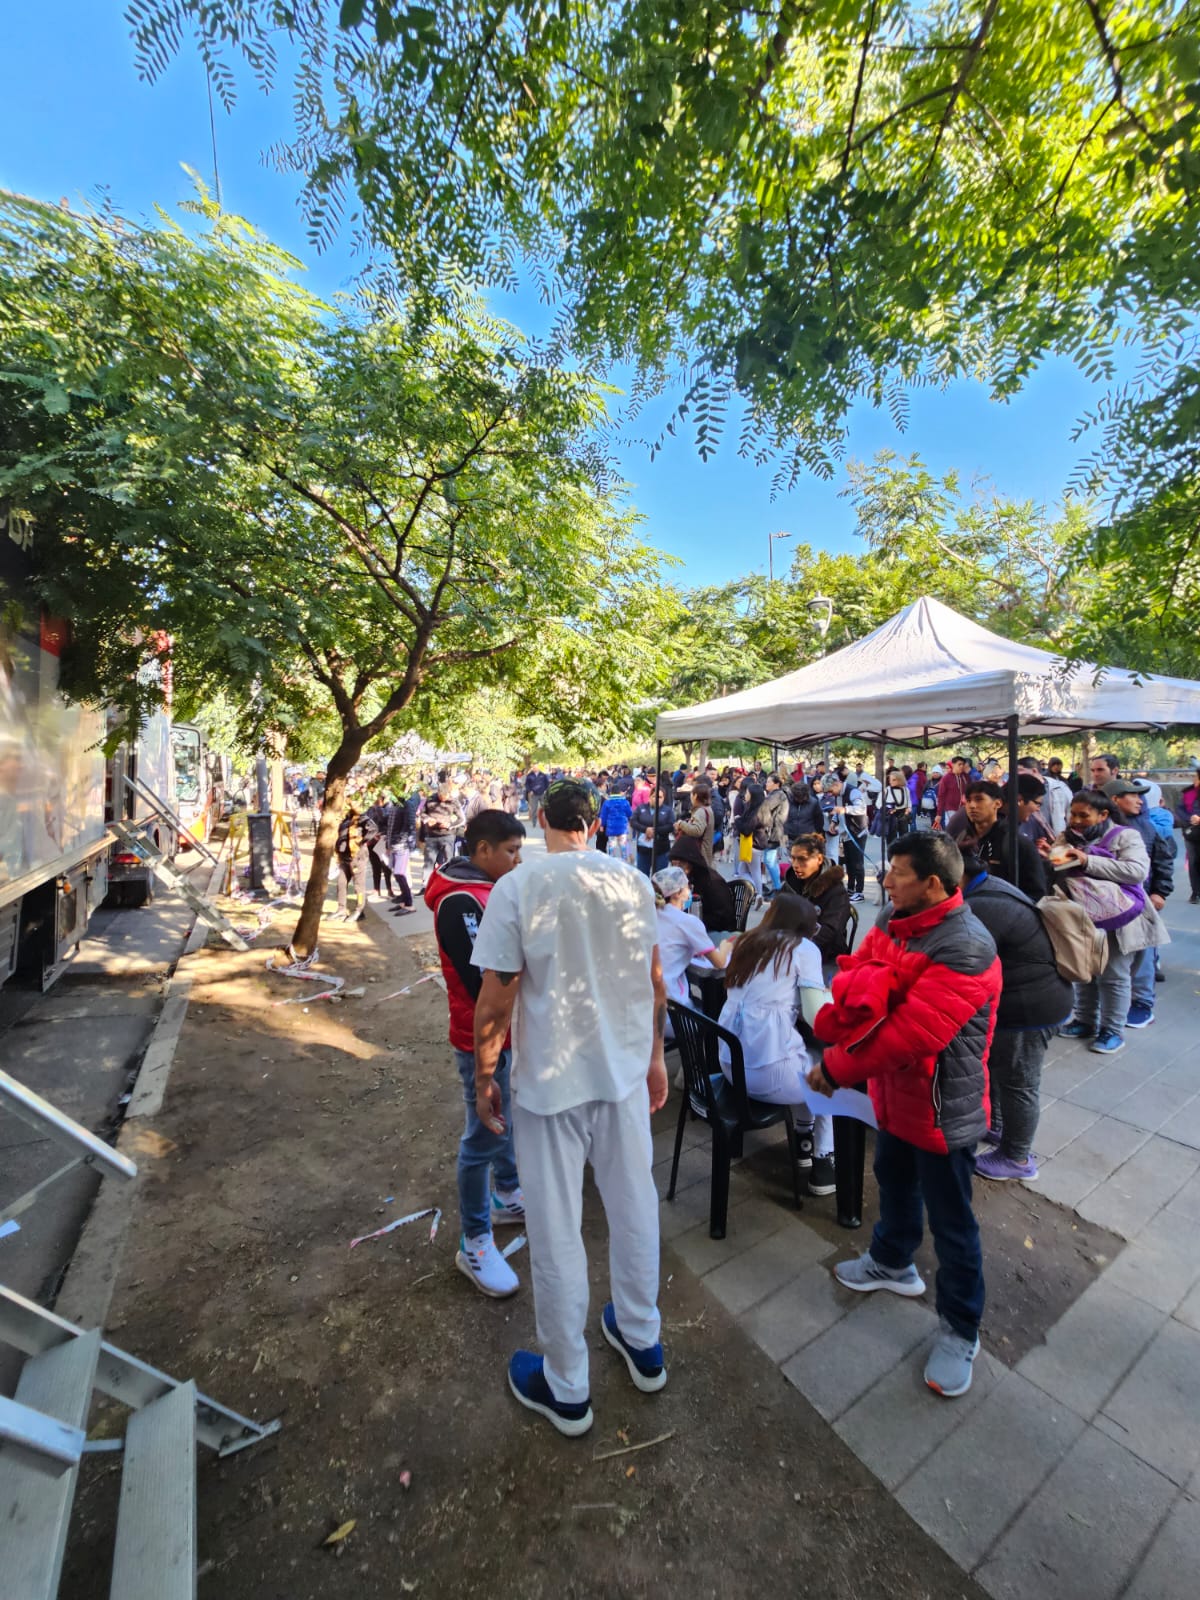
[866,1274]
[951,1362]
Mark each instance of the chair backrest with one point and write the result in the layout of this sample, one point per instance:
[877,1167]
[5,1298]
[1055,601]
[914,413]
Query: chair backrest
[852,928]
[743,899]
[698,1038]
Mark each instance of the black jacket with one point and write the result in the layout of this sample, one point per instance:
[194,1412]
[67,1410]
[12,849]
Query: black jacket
[804,816]
[717,909]
[827,891]
[1034,995]
[993,851]
[1161,852]
[643,818]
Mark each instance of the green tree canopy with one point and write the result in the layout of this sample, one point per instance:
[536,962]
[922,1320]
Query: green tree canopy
[306,499]
[803,203]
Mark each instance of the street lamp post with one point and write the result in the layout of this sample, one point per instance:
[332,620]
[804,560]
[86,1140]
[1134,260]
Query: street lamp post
[771,538]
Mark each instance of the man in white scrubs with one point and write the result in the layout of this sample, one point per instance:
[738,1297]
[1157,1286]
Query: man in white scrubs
[568,950]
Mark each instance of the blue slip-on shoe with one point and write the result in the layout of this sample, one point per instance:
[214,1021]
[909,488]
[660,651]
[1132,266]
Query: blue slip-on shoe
[1139,1017]
[951,1362]
[527,1380]
[866,1274]
[1076,1030]
[1107,1043]
[645,1366]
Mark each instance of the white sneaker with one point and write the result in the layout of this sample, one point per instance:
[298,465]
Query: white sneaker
[508,1210]
[479,1260]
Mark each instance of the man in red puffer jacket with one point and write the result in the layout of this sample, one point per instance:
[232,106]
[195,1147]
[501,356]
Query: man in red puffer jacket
[929,975]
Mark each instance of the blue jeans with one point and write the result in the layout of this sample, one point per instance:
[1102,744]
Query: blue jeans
[771,863]
[911,1180]
[1142,978]
[481,1151]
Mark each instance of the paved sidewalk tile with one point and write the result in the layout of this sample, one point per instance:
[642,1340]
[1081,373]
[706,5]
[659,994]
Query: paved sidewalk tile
[877,1334]
[753,1275]
[695,1166]
[1162,1263]
[753,1221]
[1156,1410]
[1189,1312]
[1140,1187]
[793,1316]
[1084,1530]
[1184,1126]
[970,1488]
[895,1425]
[1088,1160]
[1108,1087]
[689,1207]
[1152,1105]
[1169,1570]
[1092,1346]
[1059,1123]
[1187,1202]
[1076,1065]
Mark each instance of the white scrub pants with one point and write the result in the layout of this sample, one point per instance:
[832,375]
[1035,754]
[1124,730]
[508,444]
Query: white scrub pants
[614,1135]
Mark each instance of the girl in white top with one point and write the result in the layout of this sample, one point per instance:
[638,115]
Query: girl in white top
[767,970]
[682,938]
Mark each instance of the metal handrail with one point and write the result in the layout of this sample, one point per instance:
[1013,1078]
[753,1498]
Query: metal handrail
[47,1119]
[146,793]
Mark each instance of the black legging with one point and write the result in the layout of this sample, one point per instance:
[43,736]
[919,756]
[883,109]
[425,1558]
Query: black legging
[852,857]
[1193,865]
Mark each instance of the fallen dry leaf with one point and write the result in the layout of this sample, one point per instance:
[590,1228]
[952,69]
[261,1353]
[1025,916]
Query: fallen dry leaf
[629,1471]
[1028,1242]
[343,1532]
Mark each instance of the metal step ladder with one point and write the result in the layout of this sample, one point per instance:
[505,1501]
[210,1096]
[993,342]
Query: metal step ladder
[43,1427]
[132,837]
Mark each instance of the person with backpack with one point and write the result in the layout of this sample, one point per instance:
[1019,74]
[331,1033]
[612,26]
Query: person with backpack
[1035,1002]
[1126,797]
[352,853]
[1103,866]
[774,815]
[751,832]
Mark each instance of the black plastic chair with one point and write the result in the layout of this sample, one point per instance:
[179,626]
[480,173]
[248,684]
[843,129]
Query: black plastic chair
[743,900]
[852,929]
[725,1106]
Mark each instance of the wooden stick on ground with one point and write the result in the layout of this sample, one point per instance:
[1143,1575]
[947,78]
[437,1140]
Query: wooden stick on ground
[628,1450]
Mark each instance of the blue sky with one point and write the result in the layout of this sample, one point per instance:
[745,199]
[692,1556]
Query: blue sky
[77,118]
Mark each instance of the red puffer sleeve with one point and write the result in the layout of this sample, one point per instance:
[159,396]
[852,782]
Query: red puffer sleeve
[937,1004]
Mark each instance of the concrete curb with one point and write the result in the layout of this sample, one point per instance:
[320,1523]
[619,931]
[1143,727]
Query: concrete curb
[87,1290]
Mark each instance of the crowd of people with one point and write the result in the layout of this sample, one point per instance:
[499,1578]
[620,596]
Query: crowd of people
[561,969]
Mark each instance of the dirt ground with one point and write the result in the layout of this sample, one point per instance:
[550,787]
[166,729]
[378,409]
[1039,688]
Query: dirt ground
[290,1130]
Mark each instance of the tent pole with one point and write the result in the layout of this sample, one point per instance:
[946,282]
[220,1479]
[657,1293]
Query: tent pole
[1014,816]
[881,768]
[657,794]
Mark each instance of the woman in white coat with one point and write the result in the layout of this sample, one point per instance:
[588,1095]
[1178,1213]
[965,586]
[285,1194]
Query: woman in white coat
[1103,866]
[767,971]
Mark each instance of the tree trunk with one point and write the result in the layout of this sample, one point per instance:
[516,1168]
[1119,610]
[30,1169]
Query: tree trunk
[703,754]
[345,759]
[687,747]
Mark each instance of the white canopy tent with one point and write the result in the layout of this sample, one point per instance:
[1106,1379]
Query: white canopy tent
[929,676]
